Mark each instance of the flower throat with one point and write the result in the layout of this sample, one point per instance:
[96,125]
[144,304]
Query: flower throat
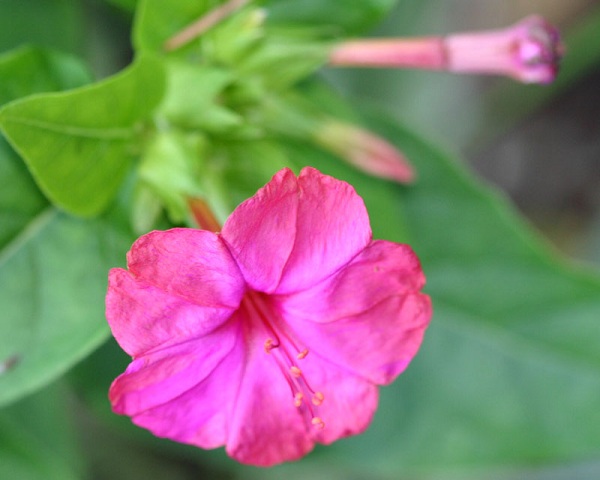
[284,350]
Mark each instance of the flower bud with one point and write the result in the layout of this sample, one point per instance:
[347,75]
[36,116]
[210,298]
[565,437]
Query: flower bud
[529,51]
[364,150]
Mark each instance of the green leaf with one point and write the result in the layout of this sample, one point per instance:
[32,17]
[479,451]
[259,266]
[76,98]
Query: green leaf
[509,372]
[37,441]
[53,23]
[53,274]
[20,200]
[78,144]
[335,19]
[28,70]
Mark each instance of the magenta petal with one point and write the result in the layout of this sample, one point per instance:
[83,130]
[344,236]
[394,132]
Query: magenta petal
[349,400]
[266,428]
[381,270]
[296,232]
[143,317]
[261,231]
[187,392]
[332,226]
[370,317]
[189,263]
[377,344]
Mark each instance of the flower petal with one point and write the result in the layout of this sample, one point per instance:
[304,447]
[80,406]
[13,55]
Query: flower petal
[369,318]
[296,232]
[192,264]
[261,231]
[143,317]
[332,227]
[185,392]
[266,428]
[349,400]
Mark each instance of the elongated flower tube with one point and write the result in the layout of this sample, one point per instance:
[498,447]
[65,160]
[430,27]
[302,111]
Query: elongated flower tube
[271,335]
[529,51]
[365,150]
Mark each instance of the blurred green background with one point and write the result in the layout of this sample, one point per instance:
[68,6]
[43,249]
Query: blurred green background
[538,144]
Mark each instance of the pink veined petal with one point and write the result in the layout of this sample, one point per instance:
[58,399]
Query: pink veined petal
[192,264]
[381,270]
[370,317]
[261,231]
[188,394]
[377,344]
[163,374]
[266,428]
[296,232]
[143,317]
[332,226]
[349,400]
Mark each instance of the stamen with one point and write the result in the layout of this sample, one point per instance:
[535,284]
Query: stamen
[318,423]
[286,357]
[270,345]
[302,354]
[317,399]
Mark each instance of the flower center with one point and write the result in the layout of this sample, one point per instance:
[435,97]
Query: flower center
[281,346]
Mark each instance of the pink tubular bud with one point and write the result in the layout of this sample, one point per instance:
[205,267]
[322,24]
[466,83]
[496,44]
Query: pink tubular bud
[529,51]
[365,150]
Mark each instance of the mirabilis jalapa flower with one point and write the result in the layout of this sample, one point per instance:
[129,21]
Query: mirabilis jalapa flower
[271,335]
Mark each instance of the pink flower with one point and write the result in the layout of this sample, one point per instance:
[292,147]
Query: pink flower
[272,335]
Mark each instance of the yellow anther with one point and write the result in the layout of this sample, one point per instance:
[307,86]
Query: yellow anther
[302,354]
[298,399]
[318,398]
[295,371]
[269,345]
[318,423]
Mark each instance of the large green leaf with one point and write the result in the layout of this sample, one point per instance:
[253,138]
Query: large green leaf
[53,274]
[78,144]
[509,373]
[28,70]
[20,201]
[37,440]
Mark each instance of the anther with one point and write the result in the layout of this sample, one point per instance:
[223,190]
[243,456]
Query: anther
[302,354]
[269,345]
[318,423]
[318,398]
[298,399]
[295,371]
